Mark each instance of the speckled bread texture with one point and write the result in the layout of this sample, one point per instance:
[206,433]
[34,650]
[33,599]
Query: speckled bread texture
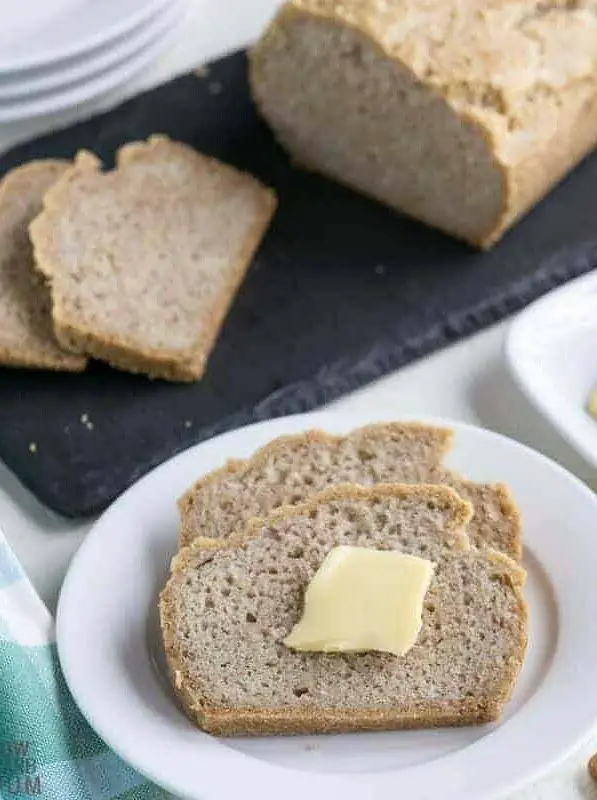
[144,261]
[460,114]
[291,469]
[229,604]
[26,334]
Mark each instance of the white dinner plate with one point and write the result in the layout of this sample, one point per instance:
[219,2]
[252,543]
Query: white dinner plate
[100,84]
[40,32]
[18,86]
[551,350]
[111,655]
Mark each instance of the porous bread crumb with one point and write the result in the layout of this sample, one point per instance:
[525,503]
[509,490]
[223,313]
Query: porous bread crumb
[292,468]
[109,241]
[228,606]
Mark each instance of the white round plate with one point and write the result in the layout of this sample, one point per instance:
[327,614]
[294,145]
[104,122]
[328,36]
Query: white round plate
[19,86]
[110,652]
[100,84]
[41,32]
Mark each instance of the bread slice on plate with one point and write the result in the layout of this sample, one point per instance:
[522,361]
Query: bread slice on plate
[496,522]
[293,468]
[290,468]
[26,334]
[145,260]
[229,604]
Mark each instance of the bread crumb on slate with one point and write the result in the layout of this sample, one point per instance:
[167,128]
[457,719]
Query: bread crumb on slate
[86,421]
[32,447]
[188,423]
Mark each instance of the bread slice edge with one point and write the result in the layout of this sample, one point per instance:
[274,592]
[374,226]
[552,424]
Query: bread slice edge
[185,501]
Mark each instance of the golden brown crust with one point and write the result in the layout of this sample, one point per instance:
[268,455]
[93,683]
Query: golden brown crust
[70,362]
[13,186]
[462,513]
[265,721]
[502,496]
[117,352]
[296,722]
[526,176]
[185,502]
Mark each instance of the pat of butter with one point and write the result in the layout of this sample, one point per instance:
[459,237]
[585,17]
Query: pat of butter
[592,404]
[361,599]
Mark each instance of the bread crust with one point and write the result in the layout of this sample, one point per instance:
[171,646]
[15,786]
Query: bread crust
[226,721]
[116,351]
[493,495]
[12,186]
[525,176]
[277,445]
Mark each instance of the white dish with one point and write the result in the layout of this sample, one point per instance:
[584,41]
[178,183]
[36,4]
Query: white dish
[109,647]
[551,350]
[40,32]
[102,83]
[20,86]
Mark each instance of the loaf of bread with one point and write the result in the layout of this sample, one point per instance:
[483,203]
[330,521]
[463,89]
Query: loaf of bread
[229,605]
[460,114]
[145,260]
[26,334]
[291,469]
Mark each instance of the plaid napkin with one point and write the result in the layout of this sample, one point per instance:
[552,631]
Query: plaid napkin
[47,750]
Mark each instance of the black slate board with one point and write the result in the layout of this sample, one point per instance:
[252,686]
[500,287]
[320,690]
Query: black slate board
[342,291]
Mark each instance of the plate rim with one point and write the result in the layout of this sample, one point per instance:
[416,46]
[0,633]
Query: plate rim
[513,346]
[15,88]
[254,769]
[94,40]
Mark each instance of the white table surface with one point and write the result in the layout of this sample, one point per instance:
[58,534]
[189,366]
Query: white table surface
[467,381]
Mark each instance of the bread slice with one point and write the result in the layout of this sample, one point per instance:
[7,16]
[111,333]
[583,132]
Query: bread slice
[144,261]
[26,335]
[293,468]
[496,522]
[460,114]
[229,604]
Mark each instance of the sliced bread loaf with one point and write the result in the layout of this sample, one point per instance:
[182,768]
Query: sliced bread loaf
[460,114]
[229,604]
[293,468]
[26,334]
[289,468]
[144,261]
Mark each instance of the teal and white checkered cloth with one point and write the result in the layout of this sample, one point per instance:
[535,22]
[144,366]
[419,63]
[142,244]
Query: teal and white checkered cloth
[47,750]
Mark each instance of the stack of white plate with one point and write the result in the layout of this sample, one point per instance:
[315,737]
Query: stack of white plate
[56,54]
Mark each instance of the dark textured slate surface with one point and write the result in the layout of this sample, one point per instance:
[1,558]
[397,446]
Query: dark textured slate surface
[342,291]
